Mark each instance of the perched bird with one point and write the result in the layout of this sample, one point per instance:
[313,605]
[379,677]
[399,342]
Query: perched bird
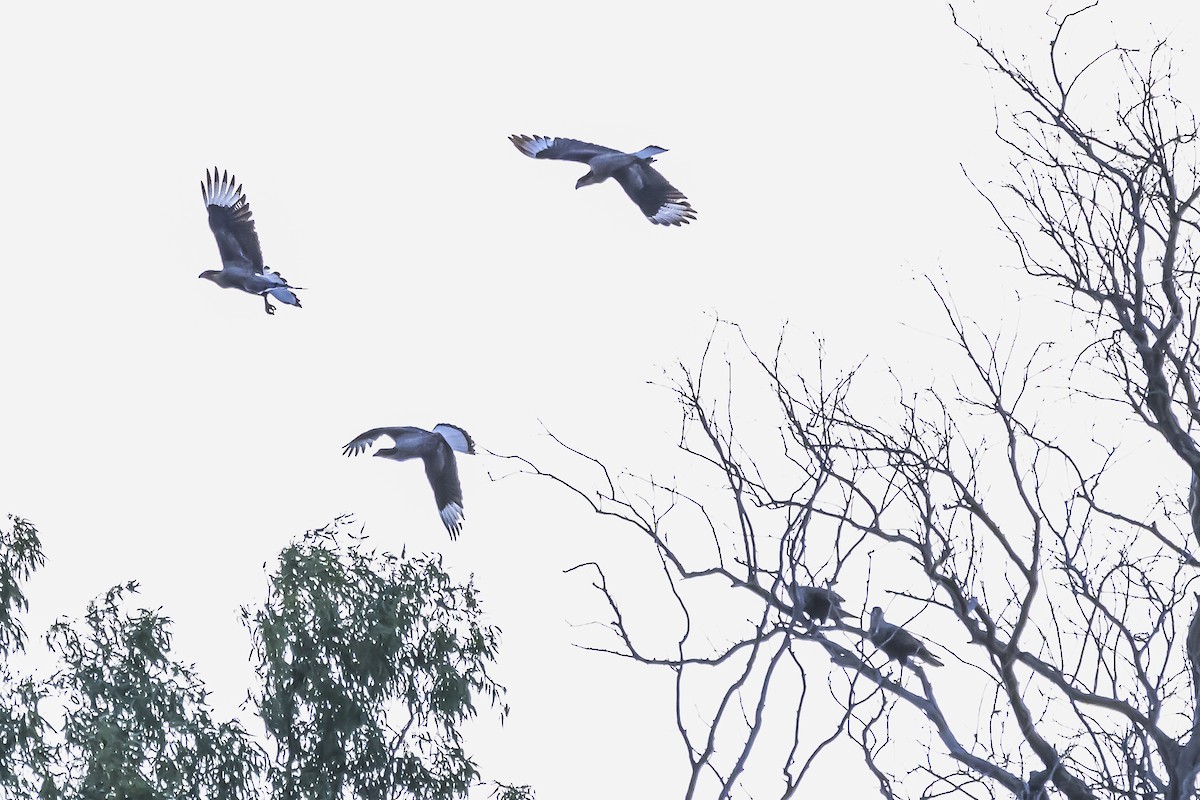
[241,256]
[661,202]
[818,604]
[436,449]
[899,644]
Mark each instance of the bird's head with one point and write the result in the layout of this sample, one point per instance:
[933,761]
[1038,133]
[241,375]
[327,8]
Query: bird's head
[385,452]
[586,180]
[210,274]
[876,618]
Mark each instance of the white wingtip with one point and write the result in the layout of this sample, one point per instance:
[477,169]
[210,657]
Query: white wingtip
[674,212]
[222,190]
[452,517]
[531,145]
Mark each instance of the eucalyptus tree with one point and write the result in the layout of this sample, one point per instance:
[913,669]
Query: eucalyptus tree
[24,753]
[368,664]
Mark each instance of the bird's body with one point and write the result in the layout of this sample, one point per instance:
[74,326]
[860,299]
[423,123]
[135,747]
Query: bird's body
[661,202]
[605,165]
[232,224]
[817,604]
[436,448]
[897,643]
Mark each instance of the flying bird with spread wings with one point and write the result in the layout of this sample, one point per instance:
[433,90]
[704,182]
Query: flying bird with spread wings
[661,202]
[241,255]
[437,450]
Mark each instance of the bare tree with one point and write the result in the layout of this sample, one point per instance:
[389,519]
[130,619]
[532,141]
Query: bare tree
[1055,581]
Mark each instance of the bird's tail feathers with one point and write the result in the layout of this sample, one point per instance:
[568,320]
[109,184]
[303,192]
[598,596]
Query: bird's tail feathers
[270,273]
[456,437]
[285,295]
[648,153]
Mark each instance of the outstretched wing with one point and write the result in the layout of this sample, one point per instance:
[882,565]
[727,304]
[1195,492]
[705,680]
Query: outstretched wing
[442,470]
[560,149]
[363,441]
[661,202]
[231,222]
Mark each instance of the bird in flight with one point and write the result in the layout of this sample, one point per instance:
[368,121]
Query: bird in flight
[661,202]
[897,643]
[436,449]
[241,256]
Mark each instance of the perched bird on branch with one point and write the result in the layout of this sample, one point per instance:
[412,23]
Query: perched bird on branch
[241,256]
[817,604]
[436,449]
[661,202]
[897,643]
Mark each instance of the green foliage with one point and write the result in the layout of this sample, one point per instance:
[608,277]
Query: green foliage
[502,791]
[369,664]
[20,555]
[136,723]
[23,749]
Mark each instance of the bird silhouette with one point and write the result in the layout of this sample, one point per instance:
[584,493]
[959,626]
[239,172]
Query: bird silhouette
[231,222]
[437,450]
[661,202]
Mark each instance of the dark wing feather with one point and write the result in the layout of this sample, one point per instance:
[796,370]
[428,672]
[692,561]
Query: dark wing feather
[899,644]
[442,470]
[364,440]
[661,202]
[892,640]
[928,657]
[823,604]
[231,222]
[558,148]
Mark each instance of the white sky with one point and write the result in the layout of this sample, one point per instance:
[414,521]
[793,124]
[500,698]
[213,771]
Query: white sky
[158,428]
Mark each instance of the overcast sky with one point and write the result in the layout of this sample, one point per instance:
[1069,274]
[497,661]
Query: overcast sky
[158,428]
